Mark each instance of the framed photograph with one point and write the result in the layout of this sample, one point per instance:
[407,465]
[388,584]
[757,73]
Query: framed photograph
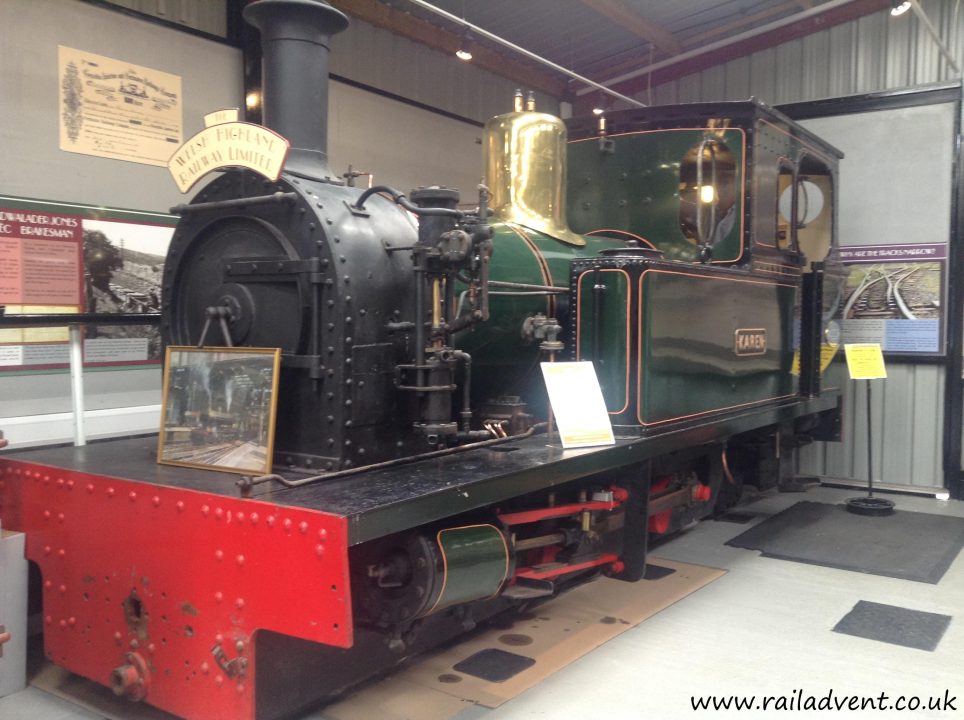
[218,409]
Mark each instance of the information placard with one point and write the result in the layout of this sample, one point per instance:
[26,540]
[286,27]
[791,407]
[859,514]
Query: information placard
[61,258]
[894,296]
[578,404]
[865,361]
[115,109]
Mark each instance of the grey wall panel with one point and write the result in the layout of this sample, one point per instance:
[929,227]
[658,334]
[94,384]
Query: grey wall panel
[738,79]
[763,75]
[816,78]
[23,395]
[206,15]
[871,54]
[380,135]
[389,62]
[34,165]
[891,193]
[403,145]
[907,431]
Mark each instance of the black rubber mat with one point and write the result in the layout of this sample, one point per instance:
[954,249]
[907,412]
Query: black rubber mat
[741,518]
[906,545]
[656,572]
[894,625]
[494,665]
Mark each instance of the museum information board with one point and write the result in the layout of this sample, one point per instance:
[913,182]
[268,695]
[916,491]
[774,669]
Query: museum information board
[114,109]
[61,258]
[894,296]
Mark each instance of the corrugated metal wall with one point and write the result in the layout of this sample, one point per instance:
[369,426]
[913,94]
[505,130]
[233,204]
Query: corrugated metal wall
[872,54]
[875,53]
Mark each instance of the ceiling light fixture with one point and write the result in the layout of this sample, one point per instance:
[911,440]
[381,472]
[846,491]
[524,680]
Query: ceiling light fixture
[597,111]
[464,53]
[899,8]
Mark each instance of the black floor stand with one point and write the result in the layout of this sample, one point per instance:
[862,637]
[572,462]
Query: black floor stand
[869,505]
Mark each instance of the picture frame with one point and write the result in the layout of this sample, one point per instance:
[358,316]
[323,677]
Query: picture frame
[219,408]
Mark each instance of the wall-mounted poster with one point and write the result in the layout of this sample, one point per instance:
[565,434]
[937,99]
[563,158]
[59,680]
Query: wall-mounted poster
[115,109]
[219,407]
[67,258]
[894,296]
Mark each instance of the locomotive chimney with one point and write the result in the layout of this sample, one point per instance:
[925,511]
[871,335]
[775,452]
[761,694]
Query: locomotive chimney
[295,35]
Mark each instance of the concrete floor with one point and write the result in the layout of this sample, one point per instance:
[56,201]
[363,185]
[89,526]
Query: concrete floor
[763,629]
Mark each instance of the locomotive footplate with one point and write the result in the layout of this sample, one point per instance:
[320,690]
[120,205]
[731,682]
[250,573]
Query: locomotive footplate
[165,584]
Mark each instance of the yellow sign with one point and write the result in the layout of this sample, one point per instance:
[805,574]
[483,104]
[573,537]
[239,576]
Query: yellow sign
[578,404]
[219,117]
[232,144]
[827,354]
[865,361]
[22,336]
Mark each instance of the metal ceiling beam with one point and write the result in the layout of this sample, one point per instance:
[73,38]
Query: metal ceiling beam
[822,17]
[700,39]
[635,23]
[935,36]
[408,26]
[696,41]
[482,32]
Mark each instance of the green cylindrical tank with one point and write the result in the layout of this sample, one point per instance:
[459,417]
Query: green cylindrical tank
[524,155]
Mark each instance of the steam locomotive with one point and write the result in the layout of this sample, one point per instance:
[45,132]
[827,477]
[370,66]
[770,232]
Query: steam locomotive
[418,489]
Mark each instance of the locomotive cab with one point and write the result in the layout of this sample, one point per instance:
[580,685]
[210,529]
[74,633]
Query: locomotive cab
[727,301]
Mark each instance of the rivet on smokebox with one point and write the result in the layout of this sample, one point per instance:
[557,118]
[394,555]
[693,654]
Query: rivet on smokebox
[303,527]
[218,597]
[156,500]
[60,481]
[319,550]
[132,495]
